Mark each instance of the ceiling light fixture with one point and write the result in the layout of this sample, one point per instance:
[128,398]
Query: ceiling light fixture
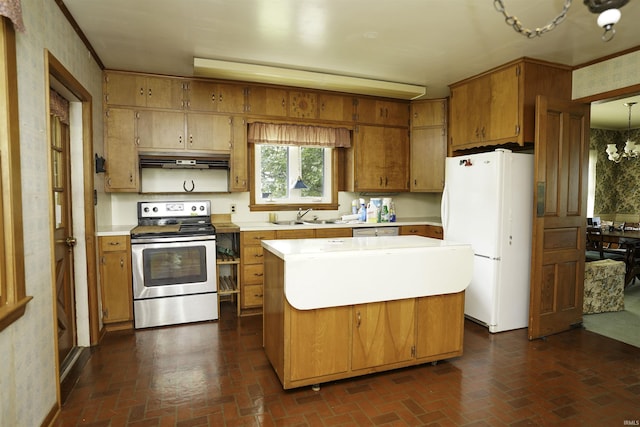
[226,70]
[608,10]
[631,150]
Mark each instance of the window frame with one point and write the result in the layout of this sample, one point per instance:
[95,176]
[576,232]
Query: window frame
[13,296]
[332,205]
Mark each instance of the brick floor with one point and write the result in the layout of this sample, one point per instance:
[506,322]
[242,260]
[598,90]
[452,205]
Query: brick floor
[216,374]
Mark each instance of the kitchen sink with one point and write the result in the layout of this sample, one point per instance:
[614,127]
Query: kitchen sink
[289,222]
[320,221]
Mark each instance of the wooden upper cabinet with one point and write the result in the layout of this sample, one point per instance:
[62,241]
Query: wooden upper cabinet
[160,130]
[267,101]
[303,105]
[137,90]
[208,132]
[120,150]
[208,96]
[335,107]
[239,175]
[428,144]
[498,107]
[379,159]
[428,113]
[382,112]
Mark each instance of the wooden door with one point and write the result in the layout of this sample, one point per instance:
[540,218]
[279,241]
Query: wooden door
[459,126]
[268,101]
[115,276]
[63,238]
[383,333]
[440,323]
[335,107]
[125,89]
[560,200]
[164,92]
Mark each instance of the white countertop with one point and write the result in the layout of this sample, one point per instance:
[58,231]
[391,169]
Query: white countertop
[320,273]
[114,230]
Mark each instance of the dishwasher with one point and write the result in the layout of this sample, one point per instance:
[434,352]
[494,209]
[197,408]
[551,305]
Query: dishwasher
[375,231]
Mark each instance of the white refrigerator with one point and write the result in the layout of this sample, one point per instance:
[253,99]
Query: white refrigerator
[488,202]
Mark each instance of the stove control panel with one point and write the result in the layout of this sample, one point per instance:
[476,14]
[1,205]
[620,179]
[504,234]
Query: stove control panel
[174,209]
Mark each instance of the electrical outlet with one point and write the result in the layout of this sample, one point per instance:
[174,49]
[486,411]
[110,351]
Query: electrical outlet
[233,208]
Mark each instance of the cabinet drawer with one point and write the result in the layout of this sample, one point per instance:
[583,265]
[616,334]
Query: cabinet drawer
[252,274]
[413,230]
[252,296]
[434,231]
[252,255]
[114,243]
[333,232]
[255,237]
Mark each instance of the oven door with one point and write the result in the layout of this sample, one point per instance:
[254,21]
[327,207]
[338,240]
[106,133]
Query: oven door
[163,267]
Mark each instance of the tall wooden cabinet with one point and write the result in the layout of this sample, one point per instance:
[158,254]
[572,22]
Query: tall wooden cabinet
[120,148]
[428,145]
[115,281]
[498,107]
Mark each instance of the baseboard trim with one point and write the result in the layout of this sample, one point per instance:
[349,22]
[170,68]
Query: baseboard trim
[73,375]
[51,416]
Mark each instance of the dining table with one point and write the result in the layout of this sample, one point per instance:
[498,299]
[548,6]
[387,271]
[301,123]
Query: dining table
[627,243]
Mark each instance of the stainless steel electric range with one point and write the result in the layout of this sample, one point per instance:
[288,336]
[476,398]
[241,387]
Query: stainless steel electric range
[173,257]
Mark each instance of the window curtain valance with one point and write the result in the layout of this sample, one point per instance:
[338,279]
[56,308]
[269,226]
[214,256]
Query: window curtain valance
[287,134]
[12,9]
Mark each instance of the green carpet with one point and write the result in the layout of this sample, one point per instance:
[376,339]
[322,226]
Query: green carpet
[620,325]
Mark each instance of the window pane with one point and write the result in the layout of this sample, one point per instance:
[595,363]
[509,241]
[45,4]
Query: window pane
[274,171]
[313,171]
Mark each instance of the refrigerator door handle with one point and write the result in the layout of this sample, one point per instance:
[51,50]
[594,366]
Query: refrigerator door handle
[492,258]
[444,210]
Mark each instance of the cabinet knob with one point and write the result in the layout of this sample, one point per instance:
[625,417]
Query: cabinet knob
[358,319]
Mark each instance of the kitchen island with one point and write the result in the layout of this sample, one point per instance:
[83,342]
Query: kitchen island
[339,308]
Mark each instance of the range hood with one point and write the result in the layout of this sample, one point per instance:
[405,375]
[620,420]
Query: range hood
[178,162]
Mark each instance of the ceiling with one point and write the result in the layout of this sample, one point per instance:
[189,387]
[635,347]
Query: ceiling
[421,42]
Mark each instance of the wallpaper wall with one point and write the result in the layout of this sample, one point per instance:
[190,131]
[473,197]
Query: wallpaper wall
[27,367]
[617,184]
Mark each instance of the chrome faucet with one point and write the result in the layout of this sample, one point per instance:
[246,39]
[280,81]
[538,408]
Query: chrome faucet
[301,214]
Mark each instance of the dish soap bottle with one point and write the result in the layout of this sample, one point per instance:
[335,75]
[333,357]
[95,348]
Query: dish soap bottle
[363,213]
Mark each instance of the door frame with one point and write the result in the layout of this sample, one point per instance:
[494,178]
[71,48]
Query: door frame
[54,69]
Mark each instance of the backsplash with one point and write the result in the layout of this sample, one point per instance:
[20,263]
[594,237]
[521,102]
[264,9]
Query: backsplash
[617,184]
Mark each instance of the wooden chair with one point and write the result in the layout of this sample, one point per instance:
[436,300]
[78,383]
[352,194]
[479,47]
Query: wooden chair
[597,249]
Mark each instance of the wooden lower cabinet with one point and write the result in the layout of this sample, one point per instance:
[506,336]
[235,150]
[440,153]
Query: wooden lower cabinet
[425,230]
[115,282]
[308,347]
[383,333]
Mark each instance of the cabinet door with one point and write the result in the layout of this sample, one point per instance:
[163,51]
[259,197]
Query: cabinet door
[160,130]
[366,111]
[202,96]
[268,101]
[383,333]
[238,173]
[369,158]
[125,89]
[440,321]
[392,113]
[428,113]
[164,92]
[115,281]
[230,98]
[504,108]
[458,125]
[319,342]
[335,107]
[396,159]
[208,132]
[428,153]
[120,150]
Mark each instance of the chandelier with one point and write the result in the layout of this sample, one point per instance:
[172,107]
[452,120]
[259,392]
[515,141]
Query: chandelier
[631,151]
[608,10]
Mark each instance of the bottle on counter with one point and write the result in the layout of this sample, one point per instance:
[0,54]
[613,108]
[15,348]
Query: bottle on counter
[392,212]
[362,212]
